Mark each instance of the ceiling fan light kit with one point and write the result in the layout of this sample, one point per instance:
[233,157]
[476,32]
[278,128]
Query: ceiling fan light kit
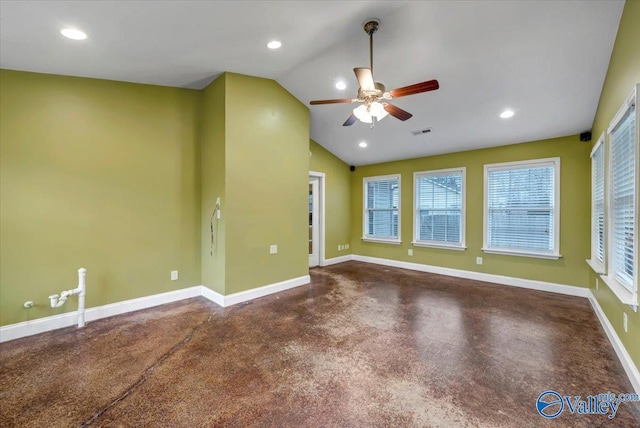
[373,95]
[371,113]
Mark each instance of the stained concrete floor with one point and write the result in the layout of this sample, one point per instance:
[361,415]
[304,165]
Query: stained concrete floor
[363,345]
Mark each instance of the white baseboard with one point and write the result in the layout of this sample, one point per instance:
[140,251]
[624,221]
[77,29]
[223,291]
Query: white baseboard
[570,290]
[336,260]
[214,296]
[112,309]
[41,325]
[254,293]
[624,357]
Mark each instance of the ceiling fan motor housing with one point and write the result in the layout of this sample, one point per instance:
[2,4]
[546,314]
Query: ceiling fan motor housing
[372,95]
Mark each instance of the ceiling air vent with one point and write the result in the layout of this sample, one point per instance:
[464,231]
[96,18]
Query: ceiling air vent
[421,131]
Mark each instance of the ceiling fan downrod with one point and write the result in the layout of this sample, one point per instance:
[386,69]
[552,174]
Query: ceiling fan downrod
[370,27]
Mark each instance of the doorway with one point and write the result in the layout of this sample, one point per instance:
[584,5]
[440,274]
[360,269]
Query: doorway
[316,223]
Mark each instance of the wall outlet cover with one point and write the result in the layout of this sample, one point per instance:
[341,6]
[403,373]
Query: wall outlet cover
[273,249]
[174,275]
[410,252]
[478,260]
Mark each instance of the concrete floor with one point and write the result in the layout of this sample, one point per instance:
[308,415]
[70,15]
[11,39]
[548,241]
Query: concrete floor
[363,345]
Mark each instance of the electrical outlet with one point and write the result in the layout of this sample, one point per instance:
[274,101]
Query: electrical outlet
[339,247]
[410,252]
[347,247]
[174,275]
[478,260]
[273,249]
[624,322]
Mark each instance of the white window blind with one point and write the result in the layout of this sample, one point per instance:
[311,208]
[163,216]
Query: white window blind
[597,205]
[521,207]
[439,207]
[381,213]
[622,191]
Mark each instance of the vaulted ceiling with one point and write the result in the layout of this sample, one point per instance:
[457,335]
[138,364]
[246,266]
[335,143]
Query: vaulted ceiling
[546,61]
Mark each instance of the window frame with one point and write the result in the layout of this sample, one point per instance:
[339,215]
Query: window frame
[461,246]
[555,161]
[626,296]
[598,266]
[365,218]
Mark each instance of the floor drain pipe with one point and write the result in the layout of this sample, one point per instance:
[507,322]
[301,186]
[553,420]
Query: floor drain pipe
[57,301]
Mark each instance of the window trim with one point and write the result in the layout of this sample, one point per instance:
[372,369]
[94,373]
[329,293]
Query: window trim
[368,238]
[437,244]
[555,255]
[593,262]
[625,295]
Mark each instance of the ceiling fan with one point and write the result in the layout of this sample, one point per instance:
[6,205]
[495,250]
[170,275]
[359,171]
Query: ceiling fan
[373,95]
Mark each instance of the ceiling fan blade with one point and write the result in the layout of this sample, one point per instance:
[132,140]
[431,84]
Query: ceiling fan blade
[430,85]
[338,101]
[352,119]
[397,112]
[365,79]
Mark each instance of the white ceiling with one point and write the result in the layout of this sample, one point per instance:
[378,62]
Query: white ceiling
[545,60]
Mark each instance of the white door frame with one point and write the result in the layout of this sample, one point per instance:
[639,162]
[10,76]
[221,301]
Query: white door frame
[321,185]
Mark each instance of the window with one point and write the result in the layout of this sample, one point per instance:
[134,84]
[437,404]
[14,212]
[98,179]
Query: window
[622,248]
[439,208]
[597,207]
[522,208]
[382,209]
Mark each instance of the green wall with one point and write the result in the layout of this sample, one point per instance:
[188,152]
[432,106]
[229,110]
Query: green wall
[95,174]
[267,159]
[574,208]
[123,178]
[622,76]
[212,167]
[337,198]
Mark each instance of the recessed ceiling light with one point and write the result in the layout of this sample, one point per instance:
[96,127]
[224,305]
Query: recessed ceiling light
[73,34]
[362,144]
[341,85]
[506,114]
[274,44]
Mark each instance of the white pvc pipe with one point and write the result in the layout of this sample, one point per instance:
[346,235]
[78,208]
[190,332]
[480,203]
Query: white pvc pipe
[56,301]
[82,273]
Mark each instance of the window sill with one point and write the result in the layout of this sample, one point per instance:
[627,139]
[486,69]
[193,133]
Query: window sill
[522,254]
[623,294]
[437,245]
[595,266]
[382,241]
